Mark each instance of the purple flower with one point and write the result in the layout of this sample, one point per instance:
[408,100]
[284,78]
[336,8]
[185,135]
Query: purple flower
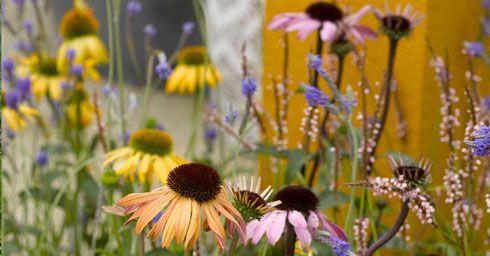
[70,54]
[480,144]
[8,65]
[314,96]
[133,7]
[28,27]
[65,85]
[314,61]
[42,158]
[18,2]
[348,103]
[249,86]
[485,24]
[10,134]
[23,46]
[188,27]
[474,49]
[12,99]
[485,4]
[231,117]
[339,246]
[486,104]
[24,88]
[210,134]
[163,69]
[150,30]
[77,70]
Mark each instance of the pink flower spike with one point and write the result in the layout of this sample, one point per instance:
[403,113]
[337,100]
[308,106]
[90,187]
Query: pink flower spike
[297,219]
[277,228]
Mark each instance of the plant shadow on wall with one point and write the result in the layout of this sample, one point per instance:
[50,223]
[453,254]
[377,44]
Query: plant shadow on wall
[78,181]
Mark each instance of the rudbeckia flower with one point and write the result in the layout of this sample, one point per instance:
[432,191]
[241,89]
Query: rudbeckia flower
[298,208]
[80,110]
[328,19]
[44,75]
[193,70]
[15,112]
[193,191]
[148,154]
[79,29]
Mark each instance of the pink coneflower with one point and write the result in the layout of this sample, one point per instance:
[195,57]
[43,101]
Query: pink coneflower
[399,23]
[328,19]
[299,210]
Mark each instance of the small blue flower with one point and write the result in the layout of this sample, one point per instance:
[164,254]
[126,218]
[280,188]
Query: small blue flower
[150,30]
[24,88]
[485,4]
[485,24]
[12,99]
[480,144]
[156,218]
[10,134]
[18,2]
[475,49]
[28,27]
[348,103]
[77,70]
[486,104]
[70,54]
[210,134]
[339,246]
[314,96]
[230,118]
[66,85]
[133,7]
[8,65]
[314,61]
[23,46]
[42,158]
[163,69]
[249,86]
[188,27]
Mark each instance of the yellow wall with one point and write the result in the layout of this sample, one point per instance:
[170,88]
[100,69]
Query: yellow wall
[447,24]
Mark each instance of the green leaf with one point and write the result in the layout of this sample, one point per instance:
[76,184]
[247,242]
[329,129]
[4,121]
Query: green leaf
[330,199]
[296,159]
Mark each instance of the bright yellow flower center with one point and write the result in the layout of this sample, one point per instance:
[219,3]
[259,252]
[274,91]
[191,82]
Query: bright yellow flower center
[193,55]
[78,22]
[151,141]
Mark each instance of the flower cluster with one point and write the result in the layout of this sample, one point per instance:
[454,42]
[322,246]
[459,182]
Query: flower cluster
[361,236]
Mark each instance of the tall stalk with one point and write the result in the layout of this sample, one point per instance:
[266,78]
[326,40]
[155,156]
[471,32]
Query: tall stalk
[392,232]
[119,64]
[289,240]
[386,105]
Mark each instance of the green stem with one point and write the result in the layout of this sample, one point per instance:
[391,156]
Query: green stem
[354,156]
[289,240]
[149,83]
[119,64]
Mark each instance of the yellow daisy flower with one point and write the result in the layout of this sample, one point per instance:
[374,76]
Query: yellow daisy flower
[193,191]
[80,111]
[148,154]
[44,75]
[79,29]
[16,119]
[193,70]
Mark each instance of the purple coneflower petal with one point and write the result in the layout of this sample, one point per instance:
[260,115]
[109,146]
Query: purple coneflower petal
[313,221]
[303,235]
[296,219]
[354,18]
[277,228]
[263,226]
[366,32]
[250,228]
[307,29]
[328,31]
